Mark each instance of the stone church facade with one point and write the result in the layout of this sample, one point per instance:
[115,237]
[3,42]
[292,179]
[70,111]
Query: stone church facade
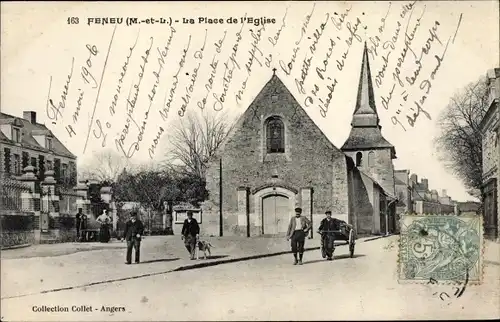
[277,158]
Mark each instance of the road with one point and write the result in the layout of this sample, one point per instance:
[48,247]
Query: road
[364,287]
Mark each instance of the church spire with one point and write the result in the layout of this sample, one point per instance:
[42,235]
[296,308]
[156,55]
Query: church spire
[365,113]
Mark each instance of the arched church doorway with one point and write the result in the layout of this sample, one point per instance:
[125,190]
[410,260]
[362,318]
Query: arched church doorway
[275,214]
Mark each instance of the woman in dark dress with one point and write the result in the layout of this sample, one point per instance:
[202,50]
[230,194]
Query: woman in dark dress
[104,234]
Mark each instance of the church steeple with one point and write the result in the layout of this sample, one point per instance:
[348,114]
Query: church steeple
[365,112]
[366,131]
[366,146]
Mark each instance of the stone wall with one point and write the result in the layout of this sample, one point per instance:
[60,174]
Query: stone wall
[40,202]
[17,228]
[380,167]
[365,204]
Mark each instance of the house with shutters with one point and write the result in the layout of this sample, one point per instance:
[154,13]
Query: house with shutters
[37,173]
[24,142]
[276,158]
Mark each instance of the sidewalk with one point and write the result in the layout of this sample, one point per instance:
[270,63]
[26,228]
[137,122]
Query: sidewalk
[43,268]
[58,249]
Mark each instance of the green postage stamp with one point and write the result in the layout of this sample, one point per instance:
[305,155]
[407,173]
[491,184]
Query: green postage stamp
[444,248]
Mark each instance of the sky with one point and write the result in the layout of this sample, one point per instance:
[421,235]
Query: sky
[91,82]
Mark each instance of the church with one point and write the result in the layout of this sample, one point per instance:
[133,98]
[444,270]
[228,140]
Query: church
[276,158]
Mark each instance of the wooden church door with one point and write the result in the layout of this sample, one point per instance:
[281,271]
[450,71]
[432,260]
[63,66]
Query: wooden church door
[275,214]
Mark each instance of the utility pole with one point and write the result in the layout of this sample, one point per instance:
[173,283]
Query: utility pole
[221,231]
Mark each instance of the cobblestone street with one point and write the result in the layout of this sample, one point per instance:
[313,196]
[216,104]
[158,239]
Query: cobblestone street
[260,289]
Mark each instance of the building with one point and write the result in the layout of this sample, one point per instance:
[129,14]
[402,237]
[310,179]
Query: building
[490,129]
[277,158]
[415,197]
[403,194]
[34,165]
[24,142]
[426,201]
[470,207]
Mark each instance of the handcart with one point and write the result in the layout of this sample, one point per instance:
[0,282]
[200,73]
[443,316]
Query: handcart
[346,235]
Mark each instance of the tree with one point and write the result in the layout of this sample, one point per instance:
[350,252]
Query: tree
[106,166]
[194,140]
[153,187]
[460,144]
[149,187]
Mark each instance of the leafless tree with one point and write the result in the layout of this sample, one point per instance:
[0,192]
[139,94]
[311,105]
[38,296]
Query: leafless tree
[105,166]
[196,138]
[459,144]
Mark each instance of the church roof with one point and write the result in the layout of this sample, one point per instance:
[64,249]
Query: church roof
[365,127]
[365,102]
[274,86]
[365,138]
[388,194]
[399,182]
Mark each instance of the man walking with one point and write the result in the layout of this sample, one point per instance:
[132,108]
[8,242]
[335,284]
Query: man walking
[326,228]
[190,233]
[132,234]
[297,230]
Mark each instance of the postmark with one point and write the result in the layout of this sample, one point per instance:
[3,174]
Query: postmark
[444,248]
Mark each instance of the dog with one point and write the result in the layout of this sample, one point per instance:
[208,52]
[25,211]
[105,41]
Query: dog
[203,246]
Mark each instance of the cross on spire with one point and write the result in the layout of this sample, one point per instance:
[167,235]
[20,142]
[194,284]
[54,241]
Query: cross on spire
[274,71]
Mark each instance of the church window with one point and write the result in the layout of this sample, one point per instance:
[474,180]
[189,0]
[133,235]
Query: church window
[359,159]
[371,159]
[275,135]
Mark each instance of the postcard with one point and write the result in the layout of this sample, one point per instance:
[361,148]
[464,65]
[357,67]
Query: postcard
[249,160]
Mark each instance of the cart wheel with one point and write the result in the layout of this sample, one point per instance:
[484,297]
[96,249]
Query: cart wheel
[351,243]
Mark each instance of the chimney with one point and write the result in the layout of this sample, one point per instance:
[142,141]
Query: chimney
[444,193]
[425,183]
[30,116]
[414,178]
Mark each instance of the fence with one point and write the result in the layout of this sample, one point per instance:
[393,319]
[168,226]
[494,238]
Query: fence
[16,224]
[152,219]
[11,194]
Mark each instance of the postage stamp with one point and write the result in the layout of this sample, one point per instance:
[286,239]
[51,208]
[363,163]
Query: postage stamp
[444,248]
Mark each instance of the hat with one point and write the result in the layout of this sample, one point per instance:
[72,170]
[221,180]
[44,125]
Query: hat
[328,212]
[298,209]
[133,214]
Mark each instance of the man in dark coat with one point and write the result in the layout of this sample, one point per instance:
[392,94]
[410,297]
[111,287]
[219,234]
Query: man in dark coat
[133,234]
[190,233]
[78,219]
[83,227]
[327,225]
